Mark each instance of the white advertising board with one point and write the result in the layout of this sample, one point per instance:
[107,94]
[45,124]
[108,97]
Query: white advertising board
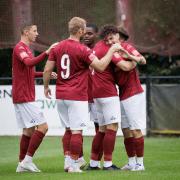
[8,124]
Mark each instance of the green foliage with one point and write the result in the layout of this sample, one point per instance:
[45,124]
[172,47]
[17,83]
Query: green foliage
[161,65]
[156,65]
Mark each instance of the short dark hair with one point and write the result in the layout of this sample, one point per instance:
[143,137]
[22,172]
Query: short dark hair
[26,27]
[93,26]
[123,33]
[108,29]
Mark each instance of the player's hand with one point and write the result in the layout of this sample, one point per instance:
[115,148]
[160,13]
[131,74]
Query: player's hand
[124,53]
[51,47]
[47,92]
[53,75]
[116,47]
[142,61]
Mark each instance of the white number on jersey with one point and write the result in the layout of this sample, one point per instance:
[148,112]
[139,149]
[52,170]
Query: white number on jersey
[65,65]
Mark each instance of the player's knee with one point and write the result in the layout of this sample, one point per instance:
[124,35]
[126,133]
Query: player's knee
[43,128]
[127,133]
[113,126]
[102,128]
[137,133]
[28,131]
[76,131]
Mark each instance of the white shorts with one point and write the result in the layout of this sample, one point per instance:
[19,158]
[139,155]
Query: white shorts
[134,112]
[93,112]
[108,111]
[28,115]
[73,114]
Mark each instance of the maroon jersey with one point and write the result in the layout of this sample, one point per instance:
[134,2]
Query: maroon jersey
[23,87]
[72,62]
[128,81]
[103,82]
[90,87]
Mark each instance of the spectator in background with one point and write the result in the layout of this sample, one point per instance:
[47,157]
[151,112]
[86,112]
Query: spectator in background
[72,60]
[29,116]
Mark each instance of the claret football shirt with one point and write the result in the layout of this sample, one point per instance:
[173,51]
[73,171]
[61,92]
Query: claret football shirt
[72,61]
[103,82]
[23,87]
[128,81]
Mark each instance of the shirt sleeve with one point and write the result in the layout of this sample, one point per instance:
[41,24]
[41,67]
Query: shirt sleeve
[88,55]
[24,57]
[21,52]
[116,58]
[52,56]
[132,50]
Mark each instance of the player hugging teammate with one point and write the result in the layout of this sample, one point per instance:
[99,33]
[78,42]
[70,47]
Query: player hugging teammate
[85,72]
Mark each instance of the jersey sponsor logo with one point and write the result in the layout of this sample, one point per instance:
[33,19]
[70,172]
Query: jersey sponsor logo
[24,55]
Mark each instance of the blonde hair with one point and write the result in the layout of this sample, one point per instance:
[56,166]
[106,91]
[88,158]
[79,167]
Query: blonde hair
[75,24]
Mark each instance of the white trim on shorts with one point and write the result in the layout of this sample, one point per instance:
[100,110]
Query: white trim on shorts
[108,111]
[28,115]
[133,115]
[73,114]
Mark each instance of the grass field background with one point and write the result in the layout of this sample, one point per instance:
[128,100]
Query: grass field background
[162,160]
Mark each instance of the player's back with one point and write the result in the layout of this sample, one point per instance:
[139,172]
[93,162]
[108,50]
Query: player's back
[72,62]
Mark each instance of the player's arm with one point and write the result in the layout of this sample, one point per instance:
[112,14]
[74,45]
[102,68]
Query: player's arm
[101,65]
[47,76]
[137,58]
[29,61]
[122,64]
[126,65]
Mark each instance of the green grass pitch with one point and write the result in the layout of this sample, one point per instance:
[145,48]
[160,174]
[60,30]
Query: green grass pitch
[162,161]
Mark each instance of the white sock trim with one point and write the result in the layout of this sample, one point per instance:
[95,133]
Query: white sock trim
[139,160]
[132,161]
[107,164]
[28,158]
[94,163]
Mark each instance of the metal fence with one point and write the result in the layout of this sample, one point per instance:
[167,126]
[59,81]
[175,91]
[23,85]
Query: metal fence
[150,82]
